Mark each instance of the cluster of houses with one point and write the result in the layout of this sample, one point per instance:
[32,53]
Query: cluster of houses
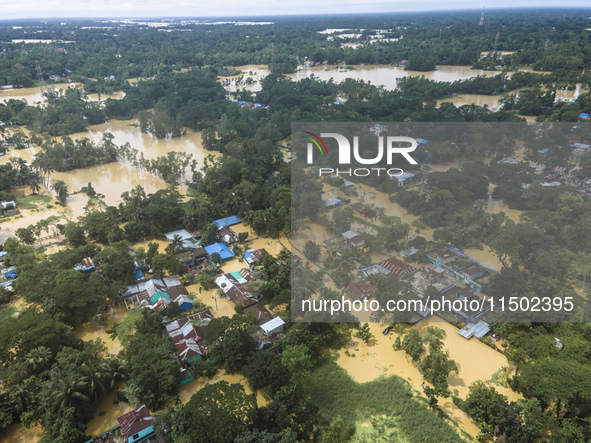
[456,264]
[157,294]
[231,285]
[188,333]
[450,267]
[195,252]
[560,175]
[390,268]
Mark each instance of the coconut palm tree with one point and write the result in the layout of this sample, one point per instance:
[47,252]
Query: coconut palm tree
[47,169]
[96,375]
[346,264]
[60,188]
[34,185]
[177,244]
[68,392]
[117,371]
[22,164]
[193,205]
[247,218]
[20,396]
[38,359]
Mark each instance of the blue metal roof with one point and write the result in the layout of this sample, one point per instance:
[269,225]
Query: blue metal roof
[138,274]
[221,249]
[228,221]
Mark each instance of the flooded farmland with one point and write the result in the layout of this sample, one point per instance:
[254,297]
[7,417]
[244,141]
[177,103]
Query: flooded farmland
[476,361]
[110,179]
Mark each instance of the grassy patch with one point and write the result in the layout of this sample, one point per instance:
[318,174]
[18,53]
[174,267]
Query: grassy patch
[7,312]
[33,201]
[387,404]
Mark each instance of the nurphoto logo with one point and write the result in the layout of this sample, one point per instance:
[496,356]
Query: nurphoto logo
[394,145]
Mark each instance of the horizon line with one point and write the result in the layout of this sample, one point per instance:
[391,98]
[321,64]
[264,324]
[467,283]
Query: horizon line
[297,14]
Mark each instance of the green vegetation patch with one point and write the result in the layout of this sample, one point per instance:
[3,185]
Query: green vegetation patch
[7,312]
[33,201]
[385,403]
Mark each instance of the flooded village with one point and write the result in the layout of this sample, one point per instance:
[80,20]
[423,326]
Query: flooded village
[213,289]
[362,361]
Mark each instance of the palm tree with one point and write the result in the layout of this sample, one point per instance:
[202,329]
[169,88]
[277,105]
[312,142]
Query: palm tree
[34,185]
[20,396]
[117,371]
[47,170]
[22,164]
[68,393]
[346,264]
[177,244]
[191,220]
[247,218]
[38,358]
[96,373]
[193,205]
[60,188]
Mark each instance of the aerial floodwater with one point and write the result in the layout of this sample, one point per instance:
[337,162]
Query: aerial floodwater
[36,94]
[109,179]
[345,226]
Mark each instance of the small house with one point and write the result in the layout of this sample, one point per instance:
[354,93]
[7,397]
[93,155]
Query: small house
[191,257]
[363,210]
[221,249]
[353,239]
[332,203]
[360,290]
[228,221]
[472,273]
[8,208]
[227,235]
[405,179]
[273,327]
[258,311]
[86,265]
[189,241]
[253,256]
[464,293]
[159,295]
[391,268]
[137,425]
[184,302]
[442,258]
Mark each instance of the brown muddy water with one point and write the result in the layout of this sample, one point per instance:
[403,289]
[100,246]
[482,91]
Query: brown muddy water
[35,94]
[379,75]
[111,179]
[475,361]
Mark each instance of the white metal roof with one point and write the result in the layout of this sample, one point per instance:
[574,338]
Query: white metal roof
[181,232]
[272,324]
